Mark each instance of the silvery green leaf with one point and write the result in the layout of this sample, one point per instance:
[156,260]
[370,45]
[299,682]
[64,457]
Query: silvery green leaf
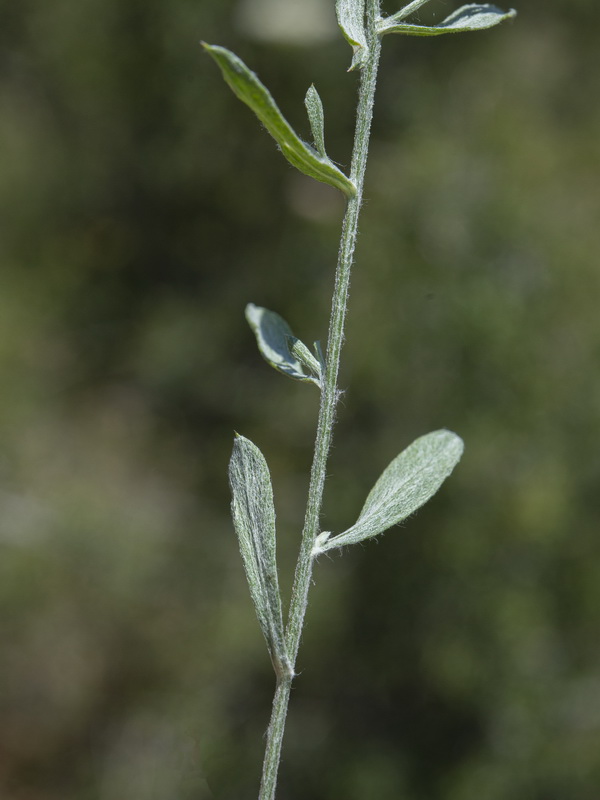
[254,520]
[246,85]
[473,17]
[275,338]
[408,10]
[320,356]
[316,117]
[404,486]
[351,19]
[300,351]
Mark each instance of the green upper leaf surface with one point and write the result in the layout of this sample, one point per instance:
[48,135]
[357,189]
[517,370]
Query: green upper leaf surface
[472,17]
[351,19]
[404,486]
[253,514]
[275,341]
[246,85]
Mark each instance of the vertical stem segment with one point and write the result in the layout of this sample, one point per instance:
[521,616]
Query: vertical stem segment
[329,398]
[275,738]
[329,393]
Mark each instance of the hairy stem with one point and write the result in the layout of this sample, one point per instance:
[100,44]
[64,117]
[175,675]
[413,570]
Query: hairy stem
[329,398]
[329,394]
[275,738]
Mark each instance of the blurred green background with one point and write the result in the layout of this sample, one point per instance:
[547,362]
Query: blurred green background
[141,207]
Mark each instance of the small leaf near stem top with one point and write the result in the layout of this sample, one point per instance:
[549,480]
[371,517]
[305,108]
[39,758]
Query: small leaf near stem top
[279,347]
[472,17]
[405,485]
[316,117]
[254,520]
[246,85]
[300,351]
[351,19]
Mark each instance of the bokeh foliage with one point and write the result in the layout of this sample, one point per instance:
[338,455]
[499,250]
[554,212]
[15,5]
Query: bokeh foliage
[141,208]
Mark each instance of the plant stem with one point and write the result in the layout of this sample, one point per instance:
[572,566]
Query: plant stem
[329,399]
[329,394]
[275,738]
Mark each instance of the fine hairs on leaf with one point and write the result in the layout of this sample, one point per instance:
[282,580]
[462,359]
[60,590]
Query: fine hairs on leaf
[253,515]
[351,19]
[316,117]
[405,485]
[417,472]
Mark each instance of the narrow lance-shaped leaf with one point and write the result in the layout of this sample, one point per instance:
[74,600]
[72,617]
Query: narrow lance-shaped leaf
[473,17]
[320,357]
[276,341]
[254,520]
[316,117]
[246,85]
[404,486]
[351,19]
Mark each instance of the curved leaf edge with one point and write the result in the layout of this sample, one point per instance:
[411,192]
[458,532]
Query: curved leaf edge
[489,16]
[253,514]
[292,353]
[363,528]
[246,85]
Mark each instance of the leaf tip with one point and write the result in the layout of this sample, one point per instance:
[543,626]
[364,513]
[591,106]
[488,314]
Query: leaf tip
[253,314]
[241,442]
[451,442]
[456,439]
